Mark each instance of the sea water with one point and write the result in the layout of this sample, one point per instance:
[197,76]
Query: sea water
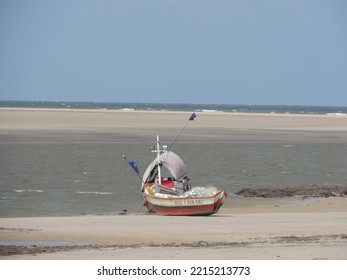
[52,179]
[242,108]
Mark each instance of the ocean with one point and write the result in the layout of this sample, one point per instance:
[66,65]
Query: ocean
[54,179]
[279,109]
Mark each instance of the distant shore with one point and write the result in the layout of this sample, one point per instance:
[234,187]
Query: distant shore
[66,125]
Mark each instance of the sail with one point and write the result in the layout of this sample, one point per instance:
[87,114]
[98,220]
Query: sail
[172,162]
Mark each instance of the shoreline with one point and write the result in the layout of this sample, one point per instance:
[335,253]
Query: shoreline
[208,112]
[183,107]
[271,199]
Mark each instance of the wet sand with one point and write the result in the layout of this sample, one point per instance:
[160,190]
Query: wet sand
[276,228]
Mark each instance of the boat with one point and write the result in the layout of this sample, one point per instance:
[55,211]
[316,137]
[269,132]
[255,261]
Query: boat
[167,189]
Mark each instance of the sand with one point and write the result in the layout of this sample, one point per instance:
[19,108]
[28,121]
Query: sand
[245,228]
[104,126]
[253,234]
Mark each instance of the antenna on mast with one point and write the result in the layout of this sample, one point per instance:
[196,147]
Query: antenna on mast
[191,118]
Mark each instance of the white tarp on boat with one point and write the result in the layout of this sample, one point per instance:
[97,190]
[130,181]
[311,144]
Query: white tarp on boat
[172,162]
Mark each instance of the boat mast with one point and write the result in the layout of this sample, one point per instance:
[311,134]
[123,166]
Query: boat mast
[158,159]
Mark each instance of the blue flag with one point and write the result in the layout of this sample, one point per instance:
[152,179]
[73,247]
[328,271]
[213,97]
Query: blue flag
[192,117]
[133,164]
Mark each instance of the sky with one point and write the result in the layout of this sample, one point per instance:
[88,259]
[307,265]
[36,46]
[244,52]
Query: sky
[269,52]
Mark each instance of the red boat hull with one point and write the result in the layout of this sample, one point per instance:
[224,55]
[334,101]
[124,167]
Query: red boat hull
[185,206]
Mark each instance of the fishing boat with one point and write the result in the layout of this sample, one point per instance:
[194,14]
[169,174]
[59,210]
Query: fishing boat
[166,187]
[173,194]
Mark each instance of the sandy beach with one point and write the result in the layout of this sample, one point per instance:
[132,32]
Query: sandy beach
[44,125]
[268,231]
[271,228]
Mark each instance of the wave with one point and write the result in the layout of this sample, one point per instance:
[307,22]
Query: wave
[209,111]
[128,109]
[103,193]
[274,109]
[36,191]
[336,114]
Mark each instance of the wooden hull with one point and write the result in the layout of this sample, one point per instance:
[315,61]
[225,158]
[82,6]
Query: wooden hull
[185,206]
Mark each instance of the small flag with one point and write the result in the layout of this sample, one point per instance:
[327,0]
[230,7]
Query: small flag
[192,117]
[133,164]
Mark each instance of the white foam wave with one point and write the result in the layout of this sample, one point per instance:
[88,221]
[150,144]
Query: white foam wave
[128,109]
[37,191]
[104,193]
[336,114]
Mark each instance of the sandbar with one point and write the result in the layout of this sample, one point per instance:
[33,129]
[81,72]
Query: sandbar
[61,125]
